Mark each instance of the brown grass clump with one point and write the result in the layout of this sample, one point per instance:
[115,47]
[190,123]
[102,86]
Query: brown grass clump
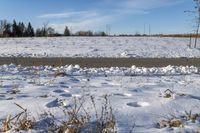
[18,122]
[174,122]
[60,74]
[168,93]
[180,121]
[190,116]
[198,130]
[6,125]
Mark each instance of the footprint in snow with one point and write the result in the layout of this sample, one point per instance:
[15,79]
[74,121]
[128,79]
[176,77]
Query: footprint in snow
[66,95]
[63,93]
[64,86]
[61,83]
[56,103]
[58,91]
[2,97]
[123,94]
[23,96]
[76,95]
[110,84]
[138,104]
[74,80]
[137,90]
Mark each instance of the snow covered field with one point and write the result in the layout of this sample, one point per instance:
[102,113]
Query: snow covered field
[97,47]
[140,97]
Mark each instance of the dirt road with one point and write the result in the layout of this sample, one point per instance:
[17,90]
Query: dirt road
[102,62]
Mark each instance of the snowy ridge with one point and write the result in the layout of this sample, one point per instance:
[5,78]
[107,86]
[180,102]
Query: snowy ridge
[113,71]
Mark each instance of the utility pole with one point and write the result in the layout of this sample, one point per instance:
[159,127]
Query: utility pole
[149,30]
[198,21]
[71,30]
[108,29]
[144,28]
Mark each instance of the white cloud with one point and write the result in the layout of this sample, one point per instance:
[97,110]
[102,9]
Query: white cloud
[112,11]
[148,4]
[68,14]
[89,23]
[140,7]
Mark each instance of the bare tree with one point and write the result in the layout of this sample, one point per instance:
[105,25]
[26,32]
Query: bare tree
[44,29]
[197,8]
[50,31]
[2,27]
[197,21]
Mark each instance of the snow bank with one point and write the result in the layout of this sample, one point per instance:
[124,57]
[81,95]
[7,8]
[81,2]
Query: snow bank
[113,71]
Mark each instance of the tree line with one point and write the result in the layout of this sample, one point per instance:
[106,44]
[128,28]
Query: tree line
[16,29]
[20,29]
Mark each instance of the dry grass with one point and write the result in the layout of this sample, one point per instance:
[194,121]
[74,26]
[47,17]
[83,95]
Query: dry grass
[60,74]
[179,121]
[198,130]
[78,119]
[174,122]
[168,93]
[190,116]
[106,122]
[21,121]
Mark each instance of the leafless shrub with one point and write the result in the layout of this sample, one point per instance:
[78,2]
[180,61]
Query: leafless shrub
[190,116]
[48,123]
[106,122]
[77,119]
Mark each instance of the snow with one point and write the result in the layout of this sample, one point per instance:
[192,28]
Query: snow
[97,47]
[137,95]
[140,97]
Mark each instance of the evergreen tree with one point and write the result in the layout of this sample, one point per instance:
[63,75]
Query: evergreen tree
[103,33]
[14,29]
[29,31]
[21,27]
[66,32]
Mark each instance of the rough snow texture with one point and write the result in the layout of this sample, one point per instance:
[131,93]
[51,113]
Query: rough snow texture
[136,94]
[97,47]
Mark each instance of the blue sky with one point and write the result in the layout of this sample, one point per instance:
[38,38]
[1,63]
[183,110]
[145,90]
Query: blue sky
[123,16]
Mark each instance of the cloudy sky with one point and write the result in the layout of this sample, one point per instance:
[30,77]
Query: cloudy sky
[122,16]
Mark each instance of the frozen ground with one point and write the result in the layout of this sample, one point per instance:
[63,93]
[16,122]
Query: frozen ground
[97,47]
[137,95]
